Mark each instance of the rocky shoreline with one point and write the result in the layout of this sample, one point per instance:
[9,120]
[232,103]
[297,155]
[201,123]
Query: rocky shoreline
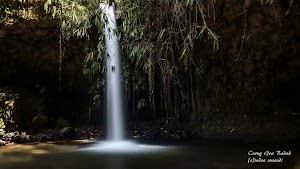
[154,131]
[81,133]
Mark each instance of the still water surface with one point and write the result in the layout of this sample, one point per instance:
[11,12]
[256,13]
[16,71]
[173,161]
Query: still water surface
[187,154]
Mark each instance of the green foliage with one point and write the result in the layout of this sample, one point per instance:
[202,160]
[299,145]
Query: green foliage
[12,11]
[291,2]
[139,38]
[7,10]
[152,33]
[82,19]
[4,11]
[2,132]
[2,125]
[141,103]
[7,107]
[74,16]
[266,1]
[160,33]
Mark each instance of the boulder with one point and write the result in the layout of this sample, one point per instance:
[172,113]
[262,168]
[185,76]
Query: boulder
[68,132]
[40,121]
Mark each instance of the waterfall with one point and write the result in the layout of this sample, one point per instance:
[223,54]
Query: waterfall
[116,142]
[114,94]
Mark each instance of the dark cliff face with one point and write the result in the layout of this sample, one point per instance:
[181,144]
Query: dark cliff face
[251,81]
[30,55]
[29,49]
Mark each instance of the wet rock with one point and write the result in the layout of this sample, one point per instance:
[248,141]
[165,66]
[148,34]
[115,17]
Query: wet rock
[68,132]
[175,136]
[135,134]
[146,134]
[15,137]
[40,137]
[2,143]
[23,138]
[8,136]
[16,133]
[71,133]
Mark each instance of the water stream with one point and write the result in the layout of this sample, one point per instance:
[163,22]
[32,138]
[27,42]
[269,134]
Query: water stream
[116,142]
[114,101]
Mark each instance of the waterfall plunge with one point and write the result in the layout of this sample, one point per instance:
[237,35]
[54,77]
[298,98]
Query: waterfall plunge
[114,94]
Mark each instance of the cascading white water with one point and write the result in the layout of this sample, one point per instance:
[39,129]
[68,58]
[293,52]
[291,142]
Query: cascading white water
[114,96]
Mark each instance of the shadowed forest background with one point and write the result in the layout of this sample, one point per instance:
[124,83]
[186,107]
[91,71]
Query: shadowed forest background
[221,69]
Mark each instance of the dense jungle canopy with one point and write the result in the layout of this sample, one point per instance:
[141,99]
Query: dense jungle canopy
[213,66]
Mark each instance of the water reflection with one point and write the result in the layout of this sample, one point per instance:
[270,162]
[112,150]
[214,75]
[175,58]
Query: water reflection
[115,163]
